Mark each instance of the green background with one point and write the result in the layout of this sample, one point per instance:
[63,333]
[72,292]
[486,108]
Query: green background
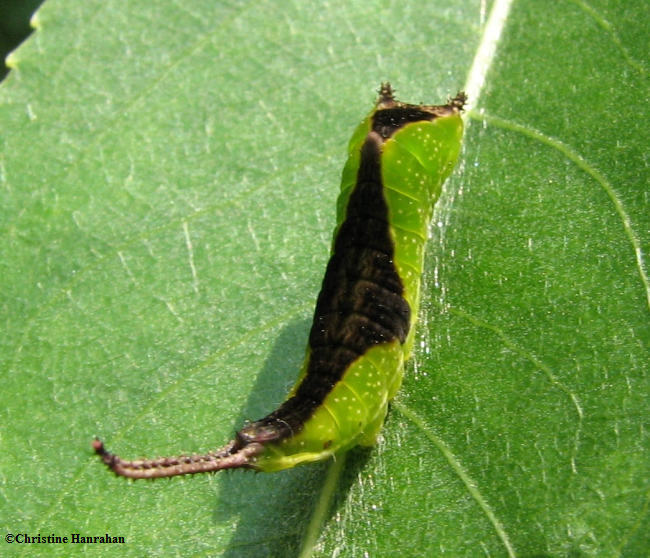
[168,176]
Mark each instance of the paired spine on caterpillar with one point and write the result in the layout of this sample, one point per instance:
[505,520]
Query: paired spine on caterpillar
[362,332]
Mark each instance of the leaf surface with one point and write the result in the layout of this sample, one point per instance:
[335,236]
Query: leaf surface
[168,174]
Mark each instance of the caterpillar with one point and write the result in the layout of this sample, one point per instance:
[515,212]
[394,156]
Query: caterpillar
[363,326]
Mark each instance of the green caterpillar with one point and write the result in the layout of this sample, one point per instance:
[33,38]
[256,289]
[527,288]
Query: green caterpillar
[363,327]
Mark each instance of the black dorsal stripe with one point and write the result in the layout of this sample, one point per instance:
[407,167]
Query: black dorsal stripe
[393,115]
[386,122]
[360,304]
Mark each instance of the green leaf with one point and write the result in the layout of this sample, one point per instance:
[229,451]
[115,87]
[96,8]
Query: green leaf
[168,174]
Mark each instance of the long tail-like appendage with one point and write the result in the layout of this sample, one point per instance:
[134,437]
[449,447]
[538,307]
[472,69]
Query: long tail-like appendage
[231,456]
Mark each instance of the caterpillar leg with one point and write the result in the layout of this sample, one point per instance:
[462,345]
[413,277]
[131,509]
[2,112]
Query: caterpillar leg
[370,434]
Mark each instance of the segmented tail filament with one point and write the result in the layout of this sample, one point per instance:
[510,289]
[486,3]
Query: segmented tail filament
[233,455]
